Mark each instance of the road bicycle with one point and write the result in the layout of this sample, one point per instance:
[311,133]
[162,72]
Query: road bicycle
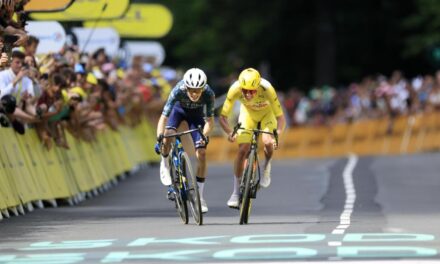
[184,186]
[250,180]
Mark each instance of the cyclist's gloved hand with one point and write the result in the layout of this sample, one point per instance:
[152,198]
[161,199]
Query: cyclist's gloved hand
[157,148]
[202,143]
[158,143]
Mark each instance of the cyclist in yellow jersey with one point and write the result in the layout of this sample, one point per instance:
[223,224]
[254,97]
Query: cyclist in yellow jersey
[259,104]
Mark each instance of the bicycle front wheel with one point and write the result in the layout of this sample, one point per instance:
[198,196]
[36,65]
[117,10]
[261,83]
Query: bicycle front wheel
[180,201]
[246,201]
[192,189]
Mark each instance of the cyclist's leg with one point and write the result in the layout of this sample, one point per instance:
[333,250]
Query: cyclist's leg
[268,123]
[195,119]
[243,139]
[173,122]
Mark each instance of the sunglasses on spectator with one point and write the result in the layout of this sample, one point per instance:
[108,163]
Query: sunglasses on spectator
[246,91]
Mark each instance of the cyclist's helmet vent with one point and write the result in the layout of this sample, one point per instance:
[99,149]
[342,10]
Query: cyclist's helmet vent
[195,78]
[249,79]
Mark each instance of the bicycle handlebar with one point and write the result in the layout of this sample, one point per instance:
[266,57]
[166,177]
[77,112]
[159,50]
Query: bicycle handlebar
[199,129]
[258,131]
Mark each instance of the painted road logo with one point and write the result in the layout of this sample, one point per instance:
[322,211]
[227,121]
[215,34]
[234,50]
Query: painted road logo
[251,247]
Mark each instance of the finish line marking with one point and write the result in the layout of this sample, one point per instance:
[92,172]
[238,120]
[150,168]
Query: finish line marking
[350,194]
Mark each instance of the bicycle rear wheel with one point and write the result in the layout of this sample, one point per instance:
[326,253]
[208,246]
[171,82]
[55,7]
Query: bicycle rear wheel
[180,200]
[246,201]
[192,189]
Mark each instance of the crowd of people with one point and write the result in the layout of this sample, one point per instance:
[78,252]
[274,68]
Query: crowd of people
[373,97]
[76,91]
[73,90]
[85,93]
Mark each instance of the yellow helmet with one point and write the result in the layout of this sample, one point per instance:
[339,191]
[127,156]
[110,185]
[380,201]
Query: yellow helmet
[249,79]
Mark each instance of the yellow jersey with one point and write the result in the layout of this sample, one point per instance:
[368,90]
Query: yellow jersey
[264,100]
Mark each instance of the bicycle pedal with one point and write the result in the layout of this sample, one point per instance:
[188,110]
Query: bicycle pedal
[234,207]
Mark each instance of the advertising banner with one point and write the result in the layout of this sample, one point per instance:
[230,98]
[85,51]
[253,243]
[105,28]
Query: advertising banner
[47,6]
[141,21]
[82,10]
[91,39]
[146,49]
[51,34]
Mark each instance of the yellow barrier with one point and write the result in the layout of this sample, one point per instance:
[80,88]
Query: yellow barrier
[28,172]
[402,135]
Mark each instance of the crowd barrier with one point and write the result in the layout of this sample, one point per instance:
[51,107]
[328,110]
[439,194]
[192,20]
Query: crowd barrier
[401,135]
[30,174]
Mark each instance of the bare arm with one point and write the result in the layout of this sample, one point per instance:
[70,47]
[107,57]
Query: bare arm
[225,125]
[161,125]
[281,124]
[209,125]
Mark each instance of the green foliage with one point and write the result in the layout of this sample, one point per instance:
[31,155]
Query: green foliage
[369,37]
[424,27]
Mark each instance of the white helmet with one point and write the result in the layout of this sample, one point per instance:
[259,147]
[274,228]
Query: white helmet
[194,78]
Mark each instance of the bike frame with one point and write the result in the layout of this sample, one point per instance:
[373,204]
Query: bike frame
[249,180]
[176,154]
[180,181]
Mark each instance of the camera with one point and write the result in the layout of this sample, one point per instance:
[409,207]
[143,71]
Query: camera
[8,104]
[10,39]
[8,43]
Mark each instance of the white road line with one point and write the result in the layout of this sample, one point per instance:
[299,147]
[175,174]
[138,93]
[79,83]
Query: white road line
[350,198]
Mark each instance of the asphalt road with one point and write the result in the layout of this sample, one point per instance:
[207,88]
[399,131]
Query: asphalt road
[350,209]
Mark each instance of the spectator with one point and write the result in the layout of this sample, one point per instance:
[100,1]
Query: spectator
[31,45]
[15,81]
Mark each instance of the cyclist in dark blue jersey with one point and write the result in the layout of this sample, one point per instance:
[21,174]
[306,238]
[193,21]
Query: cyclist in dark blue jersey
[186,102]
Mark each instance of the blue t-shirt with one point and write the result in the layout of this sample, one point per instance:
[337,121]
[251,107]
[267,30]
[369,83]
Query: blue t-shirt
[178,94]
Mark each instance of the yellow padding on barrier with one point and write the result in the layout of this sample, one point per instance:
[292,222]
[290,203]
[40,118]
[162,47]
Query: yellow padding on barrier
[414,136]
[430,132]
[56,176]
[394,138]
[217,149]
[437,131]
[121,150]
[8,192]
[151,140]
[78,164]
[21,177]
[292,143]
[316,141]
[28,147]
[338,140]
[360,136]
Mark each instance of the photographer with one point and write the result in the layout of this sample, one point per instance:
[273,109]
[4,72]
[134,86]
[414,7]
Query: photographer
[15,81]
